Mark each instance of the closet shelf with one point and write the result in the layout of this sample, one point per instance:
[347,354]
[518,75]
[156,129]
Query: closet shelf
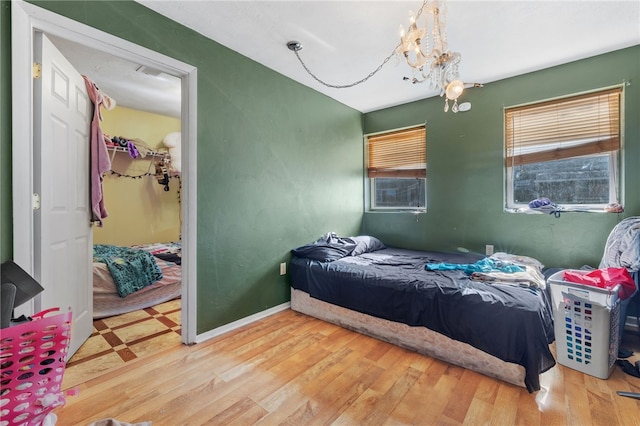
[154,154]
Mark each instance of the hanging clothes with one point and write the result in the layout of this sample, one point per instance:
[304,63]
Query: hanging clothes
[100,161]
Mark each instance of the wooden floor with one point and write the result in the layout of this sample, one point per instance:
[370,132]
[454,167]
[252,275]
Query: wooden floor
[296,370]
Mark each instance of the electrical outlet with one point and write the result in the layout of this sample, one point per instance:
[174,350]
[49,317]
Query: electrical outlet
[488,249]
[283,268]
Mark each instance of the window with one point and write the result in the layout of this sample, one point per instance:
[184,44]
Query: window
[397,169]
[565,149]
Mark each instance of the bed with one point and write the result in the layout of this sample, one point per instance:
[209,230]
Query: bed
[161,260]
[498,328]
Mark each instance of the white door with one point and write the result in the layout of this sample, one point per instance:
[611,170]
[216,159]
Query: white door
[62,231]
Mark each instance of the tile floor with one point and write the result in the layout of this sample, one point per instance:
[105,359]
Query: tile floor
[116,340]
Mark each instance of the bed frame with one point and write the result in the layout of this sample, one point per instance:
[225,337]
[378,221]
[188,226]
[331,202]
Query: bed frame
[419,339]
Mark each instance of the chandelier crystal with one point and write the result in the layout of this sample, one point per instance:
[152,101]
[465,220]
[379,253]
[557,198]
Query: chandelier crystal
[426,51]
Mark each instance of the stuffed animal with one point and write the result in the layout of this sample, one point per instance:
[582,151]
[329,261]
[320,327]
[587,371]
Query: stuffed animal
[172,141]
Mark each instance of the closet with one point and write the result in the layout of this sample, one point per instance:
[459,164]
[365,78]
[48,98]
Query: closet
[141,210]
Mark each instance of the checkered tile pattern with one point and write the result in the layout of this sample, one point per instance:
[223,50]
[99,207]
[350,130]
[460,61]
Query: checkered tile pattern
[119,339]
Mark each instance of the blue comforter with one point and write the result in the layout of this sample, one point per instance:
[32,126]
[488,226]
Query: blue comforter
[131,269]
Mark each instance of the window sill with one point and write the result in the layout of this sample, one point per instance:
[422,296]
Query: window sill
[561,209]
[415,211]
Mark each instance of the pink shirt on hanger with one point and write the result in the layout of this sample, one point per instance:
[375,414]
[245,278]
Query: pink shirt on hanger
[100,161]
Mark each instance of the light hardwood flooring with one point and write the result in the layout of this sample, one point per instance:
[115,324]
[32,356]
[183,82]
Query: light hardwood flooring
[296,370]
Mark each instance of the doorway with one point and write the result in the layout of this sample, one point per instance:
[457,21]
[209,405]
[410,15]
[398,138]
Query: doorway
[28,19]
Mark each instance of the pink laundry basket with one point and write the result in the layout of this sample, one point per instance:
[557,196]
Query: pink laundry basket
[32,358]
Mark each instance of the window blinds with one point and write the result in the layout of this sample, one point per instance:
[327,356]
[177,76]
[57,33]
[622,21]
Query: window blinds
[398,154]
[558,129]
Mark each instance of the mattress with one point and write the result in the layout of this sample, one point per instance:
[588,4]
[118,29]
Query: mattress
[509,322]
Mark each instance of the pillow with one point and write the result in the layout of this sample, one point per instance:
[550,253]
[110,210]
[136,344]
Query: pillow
[326,249]
[366,244]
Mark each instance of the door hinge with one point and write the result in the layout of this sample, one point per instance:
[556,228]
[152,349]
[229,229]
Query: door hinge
[37,70]
[36,201]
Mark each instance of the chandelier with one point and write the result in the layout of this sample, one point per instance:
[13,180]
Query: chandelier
[424,49]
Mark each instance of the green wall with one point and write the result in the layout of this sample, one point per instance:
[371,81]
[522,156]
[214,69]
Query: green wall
[6,237]
[278,163]
[465,168]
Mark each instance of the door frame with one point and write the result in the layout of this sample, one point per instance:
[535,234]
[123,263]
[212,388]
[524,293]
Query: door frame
[26,19]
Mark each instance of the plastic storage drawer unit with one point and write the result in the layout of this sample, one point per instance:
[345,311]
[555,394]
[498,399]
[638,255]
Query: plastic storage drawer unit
[586,325]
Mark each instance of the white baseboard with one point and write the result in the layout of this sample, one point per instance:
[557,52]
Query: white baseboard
[241,322]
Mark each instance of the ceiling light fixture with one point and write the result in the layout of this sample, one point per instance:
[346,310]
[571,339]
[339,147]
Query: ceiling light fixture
[148,70]
[427,52]
[424,49]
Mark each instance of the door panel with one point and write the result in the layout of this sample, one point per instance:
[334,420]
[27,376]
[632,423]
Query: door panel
[63,236]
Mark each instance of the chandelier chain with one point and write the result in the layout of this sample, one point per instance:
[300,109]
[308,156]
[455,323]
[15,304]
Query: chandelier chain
[296,47]
[345,86]
[424,3]
[355,83]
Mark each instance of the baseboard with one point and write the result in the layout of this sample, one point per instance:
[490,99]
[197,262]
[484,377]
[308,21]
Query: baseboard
[631,324]
[241,322]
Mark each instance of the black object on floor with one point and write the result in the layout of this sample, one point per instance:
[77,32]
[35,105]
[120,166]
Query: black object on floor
[635,395]
[629,368]
[624,353]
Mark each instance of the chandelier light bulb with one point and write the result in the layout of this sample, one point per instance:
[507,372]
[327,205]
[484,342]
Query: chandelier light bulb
[454,89]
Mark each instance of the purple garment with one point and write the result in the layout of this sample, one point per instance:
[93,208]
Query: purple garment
[100,161]
[133,151]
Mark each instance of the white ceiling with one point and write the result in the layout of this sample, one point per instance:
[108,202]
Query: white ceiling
[343,41]
[120,79]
